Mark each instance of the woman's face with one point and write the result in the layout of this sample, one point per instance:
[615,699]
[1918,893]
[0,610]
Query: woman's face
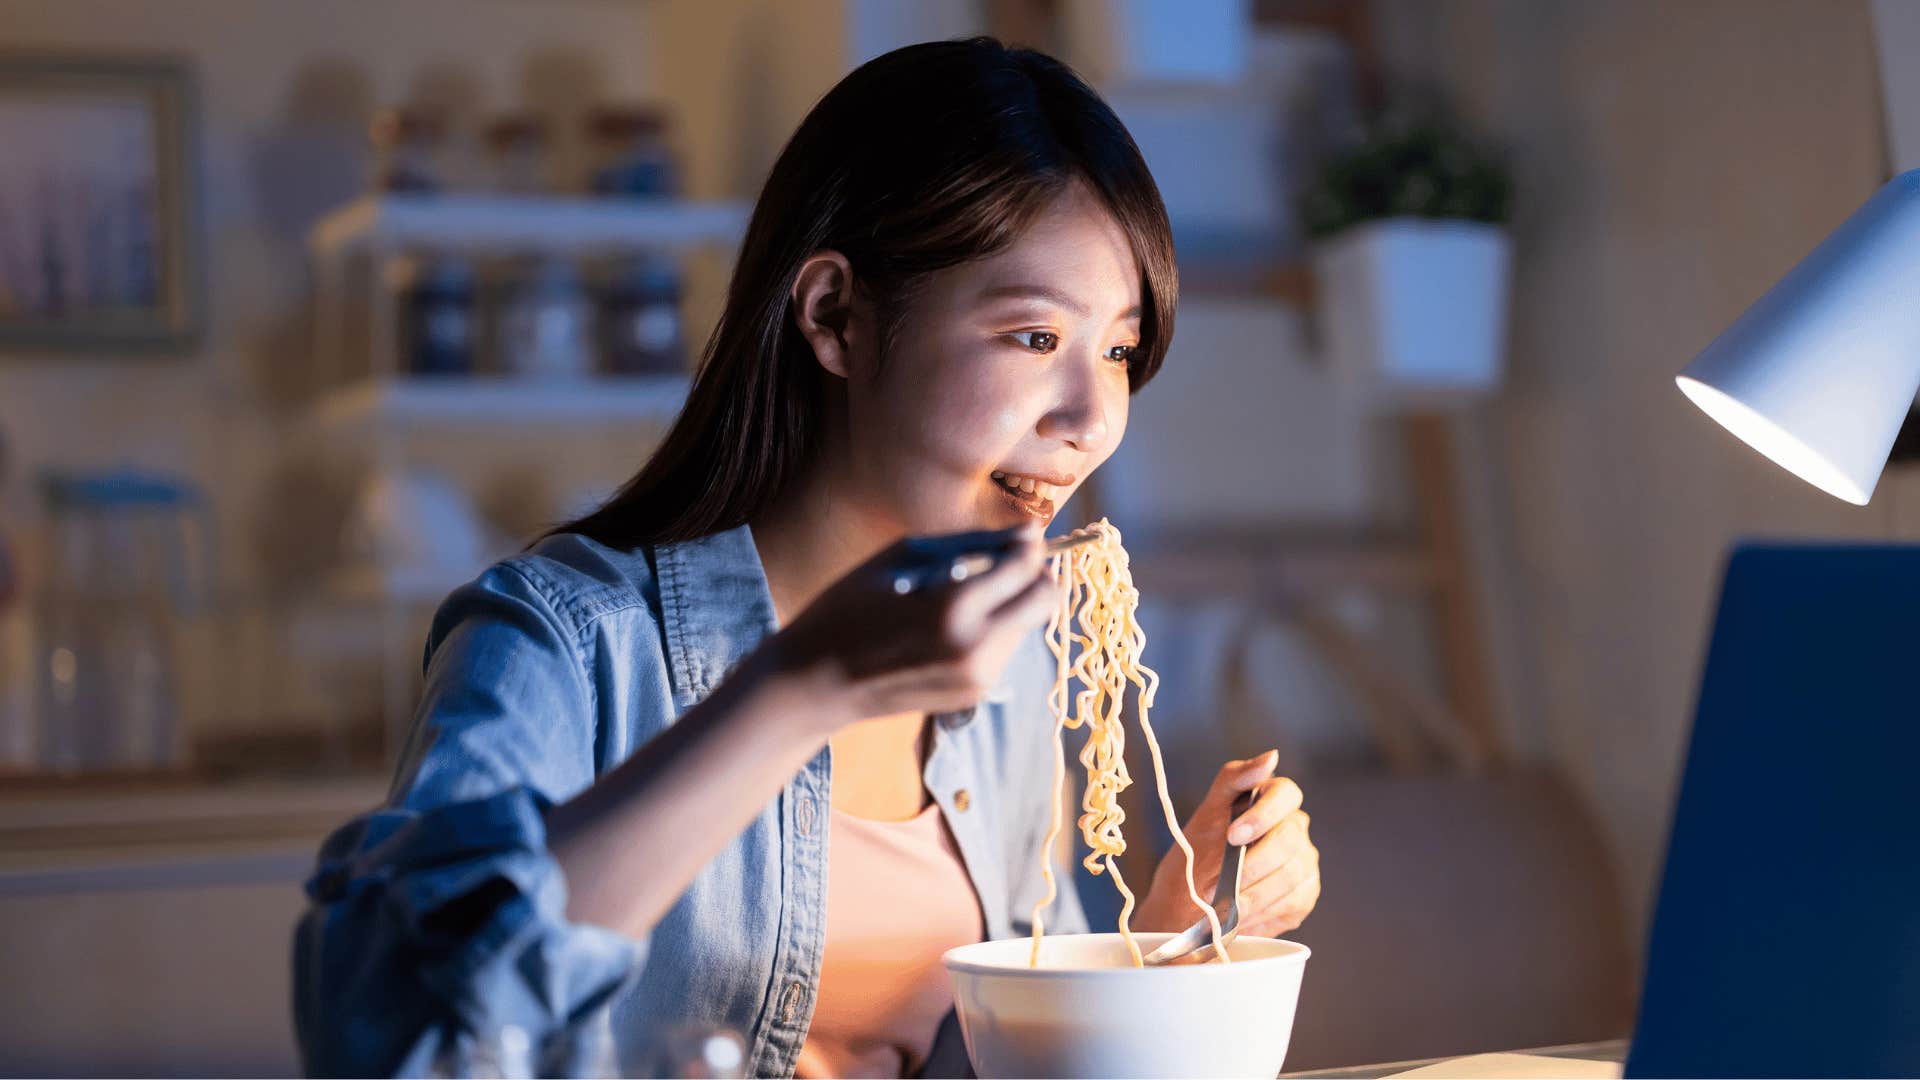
[1006,384]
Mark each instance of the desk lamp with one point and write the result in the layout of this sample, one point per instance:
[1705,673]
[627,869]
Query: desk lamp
[1819,373]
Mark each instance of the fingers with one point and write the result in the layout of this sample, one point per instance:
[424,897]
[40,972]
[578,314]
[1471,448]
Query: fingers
[945,546]
[1271,916]
[1031,605]
[1280,899]
[1277,799]
[1283,866]
[925,560]
[976,624]
[1024,564]
[1277,846]
[943,644]
[1237,776]
[1011,623]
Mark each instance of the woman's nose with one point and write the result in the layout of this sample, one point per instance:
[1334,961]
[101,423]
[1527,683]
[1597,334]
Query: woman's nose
[1079,419]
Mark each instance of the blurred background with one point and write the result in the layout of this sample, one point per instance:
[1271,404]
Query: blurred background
[310,311]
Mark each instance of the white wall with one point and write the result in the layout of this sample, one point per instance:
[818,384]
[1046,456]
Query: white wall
[1896,27]
[1673,161]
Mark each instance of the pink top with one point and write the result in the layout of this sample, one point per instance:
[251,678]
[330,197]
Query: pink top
[898,897]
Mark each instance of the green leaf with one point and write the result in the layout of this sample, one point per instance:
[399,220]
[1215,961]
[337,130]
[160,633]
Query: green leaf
[1410,160]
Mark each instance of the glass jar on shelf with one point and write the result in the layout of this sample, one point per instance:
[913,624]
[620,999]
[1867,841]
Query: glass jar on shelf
[434,296]
[544,326]
[631,155]
[407,144]
[518,145]
[121,570]
[640,326]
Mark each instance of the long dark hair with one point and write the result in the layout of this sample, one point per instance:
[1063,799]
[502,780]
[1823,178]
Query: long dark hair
[919,160]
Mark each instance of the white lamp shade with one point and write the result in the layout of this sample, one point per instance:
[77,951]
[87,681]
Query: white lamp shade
[1820,372]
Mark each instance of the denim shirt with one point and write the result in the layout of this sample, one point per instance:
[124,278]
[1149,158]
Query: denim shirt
[442,914]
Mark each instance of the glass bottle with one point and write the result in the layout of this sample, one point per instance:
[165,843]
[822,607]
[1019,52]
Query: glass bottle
[437,322]
[406,144]
[640,329]
[517,149]
[630,152]
[546,322]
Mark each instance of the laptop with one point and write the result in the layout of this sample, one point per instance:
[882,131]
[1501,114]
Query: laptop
[1786,939]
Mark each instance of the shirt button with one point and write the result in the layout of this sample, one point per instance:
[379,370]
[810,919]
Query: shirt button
[962,800]
[790,1003]
[803,817]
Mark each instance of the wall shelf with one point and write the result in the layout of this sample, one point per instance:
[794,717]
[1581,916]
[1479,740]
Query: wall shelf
[371,409]
[495,224]
[396,402]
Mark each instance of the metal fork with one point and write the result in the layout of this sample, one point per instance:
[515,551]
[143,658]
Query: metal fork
[1194,945]
[965,566]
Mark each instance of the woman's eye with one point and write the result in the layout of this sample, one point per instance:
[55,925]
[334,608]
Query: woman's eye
[1122,354]
[1040,341]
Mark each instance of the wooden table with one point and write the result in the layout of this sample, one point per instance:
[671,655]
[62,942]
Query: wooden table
[1614,1050]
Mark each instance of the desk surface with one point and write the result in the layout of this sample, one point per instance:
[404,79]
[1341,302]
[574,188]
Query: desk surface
[1610,1050]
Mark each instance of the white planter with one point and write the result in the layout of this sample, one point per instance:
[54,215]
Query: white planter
[1415,309]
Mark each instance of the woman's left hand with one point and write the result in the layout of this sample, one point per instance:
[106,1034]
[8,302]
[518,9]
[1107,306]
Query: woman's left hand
[1280,872]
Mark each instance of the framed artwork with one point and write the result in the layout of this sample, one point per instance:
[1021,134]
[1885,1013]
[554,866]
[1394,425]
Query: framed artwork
[99,215]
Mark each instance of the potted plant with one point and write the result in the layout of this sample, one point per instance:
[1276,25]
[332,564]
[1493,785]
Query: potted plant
[1411,257]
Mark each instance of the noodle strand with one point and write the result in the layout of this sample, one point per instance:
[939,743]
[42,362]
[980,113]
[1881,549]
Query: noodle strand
[1096,638]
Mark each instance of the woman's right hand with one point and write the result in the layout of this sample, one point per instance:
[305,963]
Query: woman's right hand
[939,648]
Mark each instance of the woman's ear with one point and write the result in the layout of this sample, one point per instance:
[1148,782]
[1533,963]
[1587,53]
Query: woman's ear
[825,308]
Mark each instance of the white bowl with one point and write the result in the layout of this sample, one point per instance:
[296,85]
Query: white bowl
[1087,1011]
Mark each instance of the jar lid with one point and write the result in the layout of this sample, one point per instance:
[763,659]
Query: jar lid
[626,121]
[522,127]
[438,269]
[400,123]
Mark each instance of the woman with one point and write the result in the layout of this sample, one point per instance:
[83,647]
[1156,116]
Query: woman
[640,740]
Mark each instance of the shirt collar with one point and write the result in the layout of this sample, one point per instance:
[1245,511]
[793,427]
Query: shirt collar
[715,608]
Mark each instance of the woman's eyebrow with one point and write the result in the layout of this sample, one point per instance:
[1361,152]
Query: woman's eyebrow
[1051,295]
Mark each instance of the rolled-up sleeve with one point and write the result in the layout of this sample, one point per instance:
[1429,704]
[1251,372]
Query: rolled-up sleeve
[442,916]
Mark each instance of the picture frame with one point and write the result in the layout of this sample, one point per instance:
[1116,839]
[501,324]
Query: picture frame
[100,234]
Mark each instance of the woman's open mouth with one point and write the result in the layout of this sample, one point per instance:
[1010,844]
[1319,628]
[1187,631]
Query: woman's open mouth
[1030,495]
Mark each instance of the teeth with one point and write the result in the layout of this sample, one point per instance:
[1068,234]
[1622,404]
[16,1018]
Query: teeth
[1026,484]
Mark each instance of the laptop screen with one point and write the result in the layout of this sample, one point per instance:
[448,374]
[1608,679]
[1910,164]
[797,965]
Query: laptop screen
[1786,940]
